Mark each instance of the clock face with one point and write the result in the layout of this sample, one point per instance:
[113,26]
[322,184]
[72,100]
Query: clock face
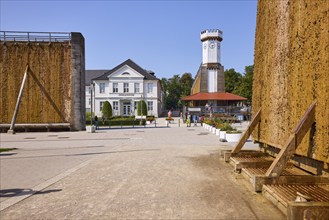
[212,45]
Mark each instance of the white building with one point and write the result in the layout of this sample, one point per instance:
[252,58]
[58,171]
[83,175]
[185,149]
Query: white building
[124,86]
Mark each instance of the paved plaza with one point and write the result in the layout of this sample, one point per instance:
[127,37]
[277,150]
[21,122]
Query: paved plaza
[147,172]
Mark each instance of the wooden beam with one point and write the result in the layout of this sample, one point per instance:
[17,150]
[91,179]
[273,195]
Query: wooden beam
[254,122]
[292,143]
[13,120]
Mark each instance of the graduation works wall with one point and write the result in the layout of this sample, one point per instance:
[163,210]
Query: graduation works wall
[291,71]
[54,90]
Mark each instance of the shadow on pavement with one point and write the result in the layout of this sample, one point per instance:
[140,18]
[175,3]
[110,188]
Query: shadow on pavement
[7,154]
[22,192]
[85,154]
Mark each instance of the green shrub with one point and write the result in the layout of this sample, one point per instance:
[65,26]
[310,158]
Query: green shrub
[225,127]
[234,132]
[88,115]
[141,107]
[107,110]
[150,118]
[122,118]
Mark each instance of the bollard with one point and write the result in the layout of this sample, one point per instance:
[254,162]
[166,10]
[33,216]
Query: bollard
[178,122]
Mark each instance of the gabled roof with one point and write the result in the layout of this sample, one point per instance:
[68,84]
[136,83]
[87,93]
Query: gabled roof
[213,96]
[91,74]
[147,75]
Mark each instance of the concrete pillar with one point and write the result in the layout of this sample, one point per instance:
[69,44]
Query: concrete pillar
[78,82]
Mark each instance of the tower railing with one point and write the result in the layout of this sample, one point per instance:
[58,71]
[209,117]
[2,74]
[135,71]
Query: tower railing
[24,36]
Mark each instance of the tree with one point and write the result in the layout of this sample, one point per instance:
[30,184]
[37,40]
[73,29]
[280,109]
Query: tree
[244,87]
[164,83]
[142,108]
[186,82]
[107,110]
[232,80]
[176,88]
[174,92]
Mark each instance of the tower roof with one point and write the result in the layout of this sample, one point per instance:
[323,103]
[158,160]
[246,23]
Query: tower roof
[211,34]
[214,96]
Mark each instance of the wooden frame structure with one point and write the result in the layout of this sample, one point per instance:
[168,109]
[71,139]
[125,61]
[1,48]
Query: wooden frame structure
[280,171]
[19,98]
[274,171]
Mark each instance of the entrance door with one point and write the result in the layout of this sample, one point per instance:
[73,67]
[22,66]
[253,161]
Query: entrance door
[126,108]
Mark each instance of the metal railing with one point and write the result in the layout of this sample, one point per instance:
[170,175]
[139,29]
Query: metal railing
[225,110]
[24,36]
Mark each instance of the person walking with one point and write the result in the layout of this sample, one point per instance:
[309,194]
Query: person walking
[96,122]
[195,119]
[188,121]
[191,119]
[201,120]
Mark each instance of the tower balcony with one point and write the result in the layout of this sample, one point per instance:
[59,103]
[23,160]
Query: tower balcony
[211,34]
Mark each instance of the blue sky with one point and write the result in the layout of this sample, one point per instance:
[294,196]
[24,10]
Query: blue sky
[163,36]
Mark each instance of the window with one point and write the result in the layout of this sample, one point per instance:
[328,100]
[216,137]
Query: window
[115,105]
[150,106]
[125,87]
[89,89]
[149,88]
[102,88]
[135,105]
[101,106]
[115,88]
[136,87]
[89,101]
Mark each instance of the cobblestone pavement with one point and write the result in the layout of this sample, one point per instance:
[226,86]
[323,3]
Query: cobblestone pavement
[134,173]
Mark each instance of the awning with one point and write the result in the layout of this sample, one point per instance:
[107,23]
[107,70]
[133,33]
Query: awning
[213,96]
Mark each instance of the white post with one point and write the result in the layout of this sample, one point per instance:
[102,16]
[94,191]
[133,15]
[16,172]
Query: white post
[141,122]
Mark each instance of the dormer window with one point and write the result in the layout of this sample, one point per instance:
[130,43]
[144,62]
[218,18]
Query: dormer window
[125,73]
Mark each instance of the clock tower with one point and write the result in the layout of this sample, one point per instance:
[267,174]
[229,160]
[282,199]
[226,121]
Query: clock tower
[212,76]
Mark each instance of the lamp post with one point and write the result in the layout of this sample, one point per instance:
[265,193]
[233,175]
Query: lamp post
[91,103]
[141,122]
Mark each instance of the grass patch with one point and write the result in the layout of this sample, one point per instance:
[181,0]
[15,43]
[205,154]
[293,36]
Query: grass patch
[6,149]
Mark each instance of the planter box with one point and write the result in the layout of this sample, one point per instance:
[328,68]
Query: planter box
[233,137]
[217,131]
[90,129]
[222,134]
[213,130]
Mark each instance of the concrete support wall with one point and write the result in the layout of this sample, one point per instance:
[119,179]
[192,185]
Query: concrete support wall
[78,82]
[204,79]
[220,79]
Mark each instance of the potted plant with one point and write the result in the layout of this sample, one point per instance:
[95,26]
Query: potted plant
[233,136]
[169,120]
[224,127]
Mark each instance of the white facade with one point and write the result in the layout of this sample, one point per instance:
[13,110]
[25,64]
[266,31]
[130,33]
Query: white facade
[123,88]
[211,40]
[212,80]
[211,46]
